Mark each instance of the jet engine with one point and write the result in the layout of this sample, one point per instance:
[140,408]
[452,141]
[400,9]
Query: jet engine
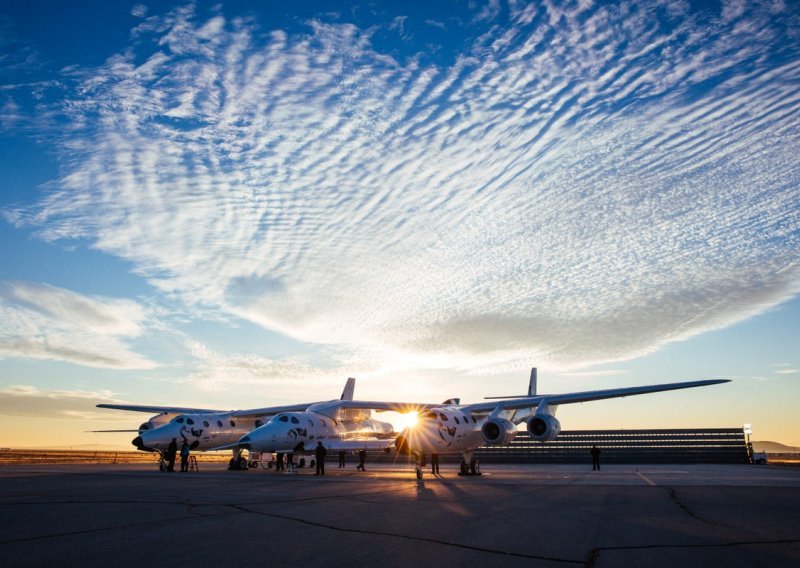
[543,427]
[497,431]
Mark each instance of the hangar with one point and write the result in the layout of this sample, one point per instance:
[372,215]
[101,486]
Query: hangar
[695,445]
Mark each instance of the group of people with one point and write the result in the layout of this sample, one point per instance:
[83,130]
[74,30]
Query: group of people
[172,452]
[320,452]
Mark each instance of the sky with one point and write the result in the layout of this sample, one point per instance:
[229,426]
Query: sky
[233,206]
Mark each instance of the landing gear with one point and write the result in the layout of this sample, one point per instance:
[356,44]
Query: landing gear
[469,465]
[238,462]
[162,460]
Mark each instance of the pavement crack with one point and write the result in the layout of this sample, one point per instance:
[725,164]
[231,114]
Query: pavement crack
[594,553]
[673,494]
[410,537]
[706,545]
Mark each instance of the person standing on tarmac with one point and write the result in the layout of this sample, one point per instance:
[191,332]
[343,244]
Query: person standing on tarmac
[341,459]
[172,451]
[595,458]
[319,453]
[185,456]
[362,457]
[435,464]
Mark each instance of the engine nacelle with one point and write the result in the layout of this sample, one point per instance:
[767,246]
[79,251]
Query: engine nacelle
[497,431]
[543,427]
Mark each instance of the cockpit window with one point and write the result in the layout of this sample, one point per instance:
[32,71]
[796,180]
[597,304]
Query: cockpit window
[190,421]
[284,418]
[431,415]
[179,420]
[456,419]
[443,417]
[295,420]
[259,424]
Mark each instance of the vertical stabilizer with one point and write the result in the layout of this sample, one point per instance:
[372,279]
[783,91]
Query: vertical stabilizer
[349,389]
[532,384]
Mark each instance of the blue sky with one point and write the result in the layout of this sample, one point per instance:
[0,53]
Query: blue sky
[220,205]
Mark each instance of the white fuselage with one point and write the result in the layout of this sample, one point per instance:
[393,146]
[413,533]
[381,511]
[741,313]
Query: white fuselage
[289,432]
[444,430]
[201,431]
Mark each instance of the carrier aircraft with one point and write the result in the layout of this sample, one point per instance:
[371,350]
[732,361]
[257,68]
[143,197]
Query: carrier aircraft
[205,429]
[445,428]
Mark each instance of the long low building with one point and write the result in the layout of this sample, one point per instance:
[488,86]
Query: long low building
[695,445]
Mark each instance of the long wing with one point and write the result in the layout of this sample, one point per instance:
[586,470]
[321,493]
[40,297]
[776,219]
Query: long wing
[372,405]
[270,410]
[157,409]
[585,396]
[249,413]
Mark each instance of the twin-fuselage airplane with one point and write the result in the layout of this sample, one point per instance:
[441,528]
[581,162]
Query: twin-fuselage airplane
[446,428]
[348,425]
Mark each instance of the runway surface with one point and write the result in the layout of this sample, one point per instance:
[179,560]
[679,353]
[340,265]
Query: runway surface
[513,515]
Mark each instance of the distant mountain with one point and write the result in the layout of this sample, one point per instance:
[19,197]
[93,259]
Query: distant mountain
[774,448]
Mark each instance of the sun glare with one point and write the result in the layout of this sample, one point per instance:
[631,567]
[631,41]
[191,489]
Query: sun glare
[406,420]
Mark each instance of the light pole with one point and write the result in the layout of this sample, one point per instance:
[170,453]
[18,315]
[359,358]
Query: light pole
[748,429]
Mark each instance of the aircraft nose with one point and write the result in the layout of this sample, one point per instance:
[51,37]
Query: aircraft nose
[138,442]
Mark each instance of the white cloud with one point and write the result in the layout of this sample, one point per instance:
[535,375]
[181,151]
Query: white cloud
[603,373]
[30,401]
[217,371]
[585,186]
[139,11]
[45,322]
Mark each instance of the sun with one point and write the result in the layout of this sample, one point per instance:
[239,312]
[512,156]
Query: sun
[406,420]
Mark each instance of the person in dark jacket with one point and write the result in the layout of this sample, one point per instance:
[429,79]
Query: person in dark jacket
[595,458]
[172,451]
[185,456]
[435,464]
[341,459]
[279,462]
[319,453]
[362,457]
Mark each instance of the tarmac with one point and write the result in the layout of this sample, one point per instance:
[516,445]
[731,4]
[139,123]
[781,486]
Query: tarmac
[512,515]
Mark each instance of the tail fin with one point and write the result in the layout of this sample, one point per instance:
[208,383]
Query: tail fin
[532,384]
[531,388]
[349,389]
